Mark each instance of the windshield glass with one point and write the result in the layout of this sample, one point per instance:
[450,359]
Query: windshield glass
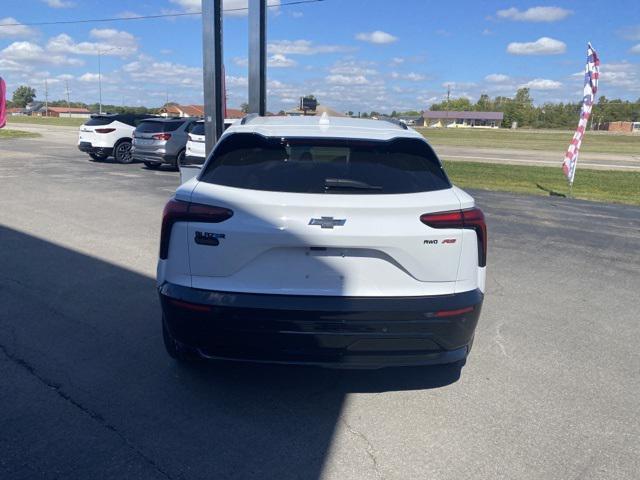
[317,165]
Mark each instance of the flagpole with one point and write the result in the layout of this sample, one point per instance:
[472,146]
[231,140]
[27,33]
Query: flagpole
[591,77]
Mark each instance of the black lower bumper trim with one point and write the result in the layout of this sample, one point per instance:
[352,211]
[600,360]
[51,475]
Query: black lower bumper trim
[352,332]
[86,147]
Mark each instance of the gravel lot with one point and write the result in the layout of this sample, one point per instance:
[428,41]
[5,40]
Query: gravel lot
[86,390]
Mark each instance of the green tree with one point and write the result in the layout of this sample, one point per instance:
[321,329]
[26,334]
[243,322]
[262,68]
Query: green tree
[23,95]
[244,107]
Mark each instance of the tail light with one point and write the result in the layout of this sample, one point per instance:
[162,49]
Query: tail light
[105,130]
[161,136]
[472,218]
[178,211]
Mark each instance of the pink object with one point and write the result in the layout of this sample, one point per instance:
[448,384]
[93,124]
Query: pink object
[3,103]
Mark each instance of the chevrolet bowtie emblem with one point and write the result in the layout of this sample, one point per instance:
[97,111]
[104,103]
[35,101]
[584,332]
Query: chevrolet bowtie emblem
[327,222]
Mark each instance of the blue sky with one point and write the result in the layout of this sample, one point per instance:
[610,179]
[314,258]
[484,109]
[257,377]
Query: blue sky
[358,55]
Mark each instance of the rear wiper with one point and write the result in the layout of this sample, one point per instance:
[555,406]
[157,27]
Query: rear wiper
[346,183]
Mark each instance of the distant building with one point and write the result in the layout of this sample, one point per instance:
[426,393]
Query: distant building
[452,119]
[621,127]
[16,111]
[71,112]
[175,110]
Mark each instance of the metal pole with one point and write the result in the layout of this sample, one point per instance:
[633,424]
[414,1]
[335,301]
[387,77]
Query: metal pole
[46,98]
[257,56]
[99,83]
[212,71]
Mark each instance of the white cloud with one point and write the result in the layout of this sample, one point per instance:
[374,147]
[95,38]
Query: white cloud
[109,42]
[377,36]
[497,78]
[347,80]
[411,76]
[59,3]
[89,77]
[629,33]
[535,14]
[14,31]
[28,55]
[297,14]
[231,7]
[278,60]
[147,69]
[542,84]
[302,47]
[542,46]
[397,60]
[353,67]
[635,49]
[623,75]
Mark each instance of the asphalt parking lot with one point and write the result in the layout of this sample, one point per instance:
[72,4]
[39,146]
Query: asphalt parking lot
[86,390]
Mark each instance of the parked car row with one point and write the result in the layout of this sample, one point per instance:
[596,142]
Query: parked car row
[149,139]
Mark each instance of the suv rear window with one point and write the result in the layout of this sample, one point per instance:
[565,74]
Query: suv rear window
[197,128]
[159,127]
[317,165]
[97,121]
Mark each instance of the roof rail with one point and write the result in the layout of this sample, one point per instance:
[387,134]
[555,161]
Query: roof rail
[397,122]
[247,118]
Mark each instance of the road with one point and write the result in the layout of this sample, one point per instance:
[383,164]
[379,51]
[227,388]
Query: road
[86,390]
[541,158]
[591,161]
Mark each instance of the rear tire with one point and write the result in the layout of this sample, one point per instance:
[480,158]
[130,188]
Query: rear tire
[97,158]
[122,152]
[152,165]
[176,350]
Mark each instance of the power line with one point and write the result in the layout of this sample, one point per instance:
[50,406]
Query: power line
[146,17]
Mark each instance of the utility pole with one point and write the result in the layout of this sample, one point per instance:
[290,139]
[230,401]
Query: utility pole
[257,56]
[99,84]
[46,98]
[212,71]
[448,95]
[68,104]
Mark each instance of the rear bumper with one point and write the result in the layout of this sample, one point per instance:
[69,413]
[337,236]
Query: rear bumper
[347,332]
[86,147]
[149,156]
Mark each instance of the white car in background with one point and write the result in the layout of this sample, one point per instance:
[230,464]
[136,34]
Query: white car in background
[333,241]
[195,151]
[104,135]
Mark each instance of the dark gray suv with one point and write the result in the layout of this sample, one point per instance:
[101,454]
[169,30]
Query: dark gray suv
[161,140]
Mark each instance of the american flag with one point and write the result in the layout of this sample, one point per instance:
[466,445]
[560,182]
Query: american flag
[591,76]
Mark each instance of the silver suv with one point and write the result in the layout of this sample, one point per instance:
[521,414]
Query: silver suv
[161,140]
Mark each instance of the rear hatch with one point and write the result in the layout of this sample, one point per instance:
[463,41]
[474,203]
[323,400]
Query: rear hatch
[95,126]
[328,217]
[151,135]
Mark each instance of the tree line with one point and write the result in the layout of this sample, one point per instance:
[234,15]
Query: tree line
[521,109]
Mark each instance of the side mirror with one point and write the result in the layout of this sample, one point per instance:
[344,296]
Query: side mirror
[187,172]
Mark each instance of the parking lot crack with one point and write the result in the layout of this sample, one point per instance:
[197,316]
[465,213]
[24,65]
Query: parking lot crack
[57,388]
[371,453]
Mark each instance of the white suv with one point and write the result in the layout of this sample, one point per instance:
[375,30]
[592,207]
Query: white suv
[104,135]
[195,150]
[331,241]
